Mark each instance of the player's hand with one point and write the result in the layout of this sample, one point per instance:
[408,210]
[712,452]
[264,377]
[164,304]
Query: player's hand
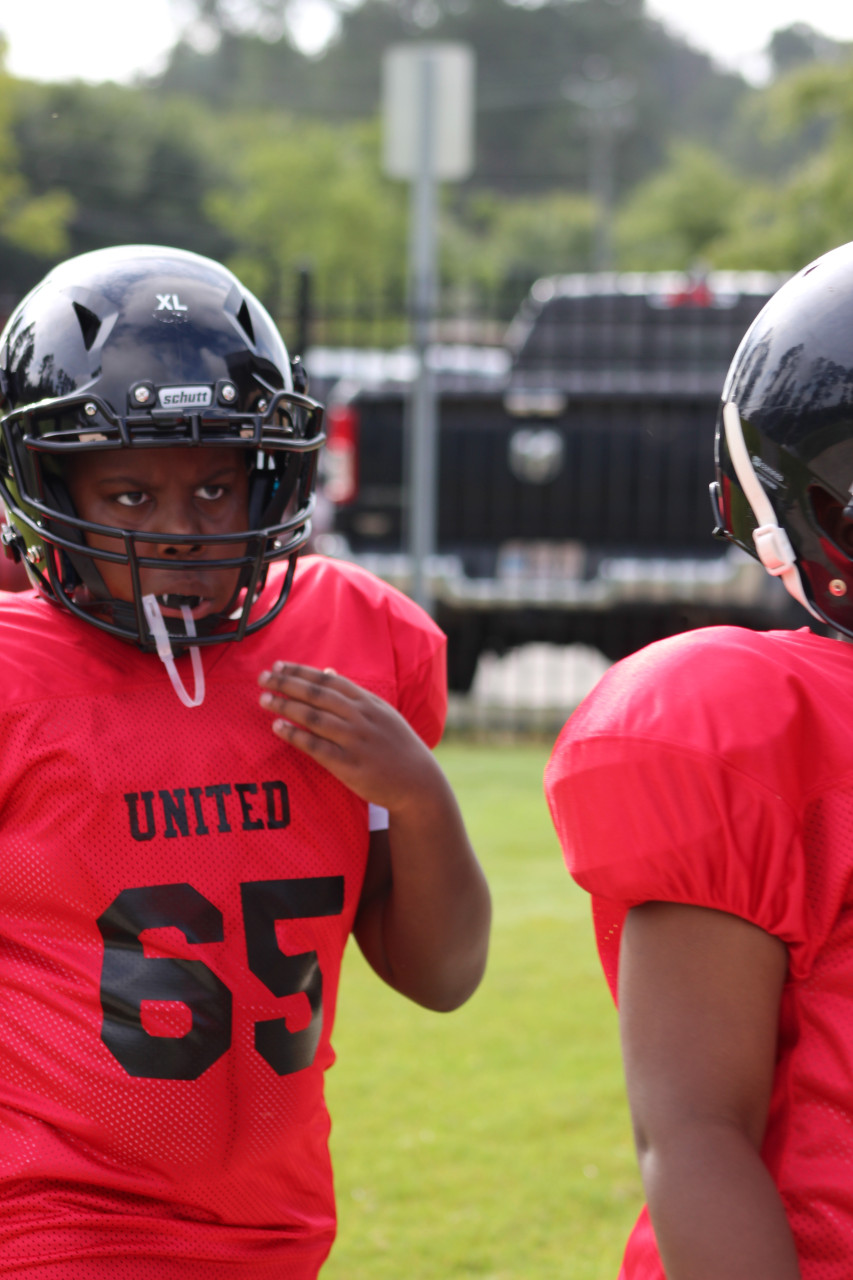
[358,737]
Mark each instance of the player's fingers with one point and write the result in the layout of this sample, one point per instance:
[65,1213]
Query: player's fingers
[315,745]
[325,680]
[315,688]
[338,758]
[331,720]
[344,731]
[303,713]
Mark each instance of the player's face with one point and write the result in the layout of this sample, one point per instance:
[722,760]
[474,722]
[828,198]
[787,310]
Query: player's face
[166,491]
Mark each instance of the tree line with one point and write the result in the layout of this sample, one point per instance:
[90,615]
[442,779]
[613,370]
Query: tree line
[251,151]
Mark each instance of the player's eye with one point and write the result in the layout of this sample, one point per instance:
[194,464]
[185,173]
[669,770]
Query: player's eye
[210,492]
[133,499]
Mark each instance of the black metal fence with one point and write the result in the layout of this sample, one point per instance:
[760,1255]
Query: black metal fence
[620,377]
[346,314]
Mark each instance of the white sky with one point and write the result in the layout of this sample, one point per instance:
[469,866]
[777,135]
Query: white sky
[86,39]
[115,39]
[734,32]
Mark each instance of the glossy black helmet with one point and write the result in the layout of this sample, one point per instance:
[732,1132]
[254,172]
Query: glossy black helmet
[784,445]
[139,347]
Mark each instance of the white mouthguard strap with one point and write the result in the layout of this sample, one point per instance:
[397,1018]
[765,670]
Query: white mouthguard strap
[157,626]
[772,544]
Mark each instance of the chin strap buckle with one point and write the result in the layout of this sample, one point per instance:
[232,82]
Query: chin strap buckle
[12,543]
[772,544]
[774,549]
[157,626]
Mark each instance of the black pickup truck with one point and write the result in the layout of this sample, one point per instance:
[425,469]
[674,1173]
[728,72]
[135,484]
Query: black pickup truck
[574,465]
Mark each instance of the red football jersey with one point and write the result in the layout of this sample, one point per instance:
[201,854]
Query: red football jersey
[178,886]
[715,769]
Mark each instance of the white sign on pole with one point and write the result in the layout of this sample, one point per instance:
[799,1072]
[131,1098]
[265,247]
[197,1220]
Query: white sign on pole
[428,114]
[452,127]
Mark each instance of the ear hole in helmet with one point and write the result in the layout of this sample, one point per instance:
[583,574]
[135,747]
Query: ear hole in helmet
[89,324]
[833,518]
[245,320]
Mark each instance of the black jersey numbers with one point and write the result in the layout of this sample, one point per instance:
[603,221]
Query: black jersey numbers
[264,902]
[129,977]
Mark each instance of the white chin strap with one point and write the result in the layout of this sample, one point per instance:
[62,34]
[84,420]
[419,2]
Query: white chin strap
[157,626]
[772,544]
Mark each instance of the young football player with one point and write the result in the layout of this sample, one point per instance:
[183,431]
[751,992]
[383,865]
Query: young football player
[215,767]
[703,795]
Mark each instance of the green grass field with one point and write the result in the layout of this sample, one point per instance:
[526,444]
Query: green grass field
[492,1142]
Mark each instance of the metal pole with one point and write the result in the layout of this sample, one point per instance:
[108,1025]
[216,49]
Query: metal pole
[304,303]
[601,185]
[606,104]
[423,418]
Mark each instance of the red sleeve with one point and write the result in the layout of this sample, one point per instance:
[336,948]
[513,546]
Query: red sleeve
[380,638]
[420,654]
[640,819]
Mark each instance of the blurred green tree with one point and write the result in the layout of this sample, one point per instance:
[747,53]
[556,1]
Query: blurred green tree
[674,218]
[701,210]
[132,167]
[496,238]
[532,135]
[33,224]
[785,224]
[308,192]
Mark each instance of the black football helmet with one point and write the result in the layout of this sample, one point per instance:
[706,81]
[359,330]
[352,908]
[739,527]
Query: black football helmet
[144,347]
[784,444]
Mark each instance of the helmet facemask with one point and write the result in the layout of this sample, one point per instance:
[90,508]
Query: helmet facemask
[279,443]
[142,348]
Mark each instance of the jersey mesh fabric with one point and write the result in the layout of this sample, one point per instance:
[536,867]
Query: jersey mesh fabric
[178,887]
[714,769]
